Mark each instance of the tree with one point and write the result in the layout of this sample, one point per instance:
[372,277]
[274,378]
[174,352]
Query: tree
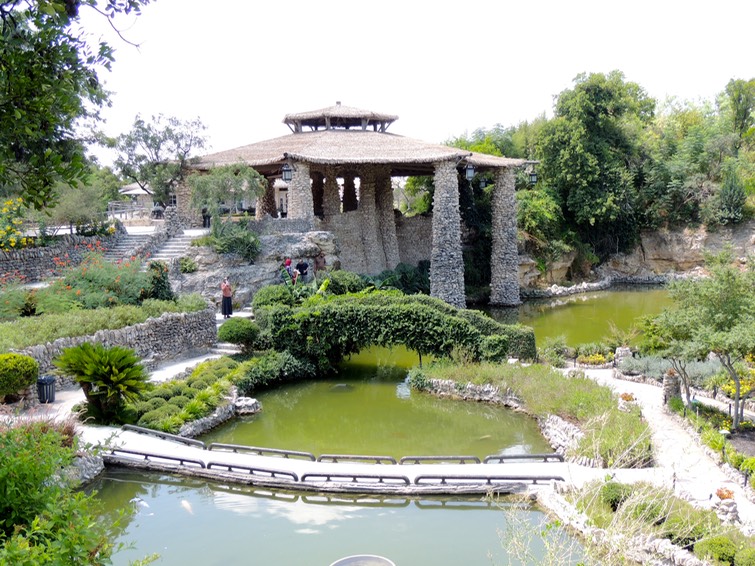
[225,184]
[155,155]
[48,80]
[713,315]
[590,154]
[740,105]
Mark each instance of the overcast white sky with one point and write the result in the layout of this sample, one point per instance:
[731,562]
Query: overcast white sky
[445,68]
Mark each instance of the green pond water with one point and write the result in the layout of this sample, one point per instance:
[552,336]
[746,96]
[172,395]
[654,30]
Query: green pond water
[191,522]
[586,317]
[368,408]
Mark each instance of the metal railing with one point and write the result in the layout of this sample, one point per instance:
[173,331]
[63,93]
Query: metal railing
[240,448]
[356,477]
[446,479]
[165,436]
[253,470]
[439,459]
[336,458]
[152,457]
[503,458]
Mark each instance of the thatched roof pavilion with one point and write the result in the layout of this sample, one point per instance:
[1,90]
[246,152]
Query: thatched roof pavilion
[342,142]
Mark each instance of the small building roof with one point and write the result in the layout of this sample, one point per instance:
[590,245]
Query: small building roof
[341,117]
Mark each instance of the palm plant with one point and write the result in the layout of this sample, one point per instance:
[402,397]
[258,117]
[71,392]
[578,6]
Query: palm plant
[109,376]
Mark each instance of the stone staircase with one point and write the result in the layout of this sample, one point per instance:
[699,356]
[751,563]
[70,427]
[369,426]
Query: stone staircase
[125,246]
[174,247]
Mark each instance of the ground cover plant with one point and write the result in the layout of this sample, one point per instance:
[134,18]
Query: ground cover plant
[643,510]
[613,437]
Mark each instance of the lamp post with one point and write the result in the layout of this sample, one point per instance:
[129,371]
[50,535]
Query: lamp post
[725,433]
[533,177]
[469,172]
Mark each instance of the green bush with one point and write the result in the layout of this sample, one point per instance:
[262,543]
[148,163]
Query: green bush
[187,265]
[272,295]
[553,351]
[109,377]
[232,237]
[275,367]
[159,283]
[240,331]
[614,494]
[179,401]
[495,348]
[745,557]
[685,525]
[17,372]
[342,282]
[719,548]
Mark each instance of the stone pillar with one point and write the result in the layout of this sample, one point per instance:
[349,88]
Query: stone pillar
[373,249]
[173,225]
[386,217]
[266,203]
[349,193]
[504,261]
[446,262]
[331,203]
[318,187]
[300,205]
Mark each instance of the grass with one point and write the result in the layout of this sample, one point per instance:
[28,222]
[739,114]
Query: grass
[616,438]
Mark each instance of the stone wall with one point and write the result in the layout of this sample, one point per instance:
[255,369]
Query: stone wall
[158,339]
[37,264]
[415,238]
[447,264]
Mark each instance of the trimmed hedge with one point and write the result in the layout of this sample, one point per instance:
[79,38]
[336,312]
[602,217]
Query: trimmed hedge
[272,368]
[17,372]
[240,331]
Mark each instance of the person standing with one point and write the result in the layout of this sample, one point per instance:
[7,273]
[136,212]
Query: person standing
[226,307]
[319,263]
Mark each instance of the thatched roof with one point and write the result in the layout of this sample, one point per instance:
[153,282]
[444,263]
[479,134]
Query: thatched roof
[344,117]
[406,156]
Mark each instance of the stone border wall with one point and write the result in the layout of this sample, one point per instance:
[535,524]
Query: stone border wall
[37,264]
[154,340]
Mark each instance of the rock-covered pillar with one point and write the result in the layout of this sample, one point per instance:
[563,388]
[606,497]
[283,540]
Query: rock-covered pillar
[504,261]
[300,205]
[266,203]
[318,188]
[349,192]
[331,203]
[373,249]
[446,262]
[386,217]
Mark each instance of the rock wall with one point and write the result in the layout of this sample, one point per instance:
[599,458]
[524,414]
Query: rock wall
[665,251]
[155,340]
[36,264]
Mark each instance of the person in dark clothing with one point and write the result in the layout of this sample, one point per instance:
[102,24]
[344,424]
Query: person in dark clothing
[226,307]
[302,268]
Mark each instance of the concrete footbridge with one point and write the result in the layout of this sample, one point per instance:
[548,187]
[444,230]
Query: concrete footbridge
[335,473]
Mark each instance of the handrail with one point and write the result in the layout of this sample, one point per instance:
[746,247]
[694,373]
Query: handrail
[335,458]
[381,478]
[441,459]
[253,470]
[165,435]
[544,457]
[261,451]
[147,455]
[443,479]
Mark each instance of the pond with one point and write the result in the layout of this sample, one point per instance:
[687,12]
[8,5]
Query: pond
[369,408]
[586,317]
[189,521]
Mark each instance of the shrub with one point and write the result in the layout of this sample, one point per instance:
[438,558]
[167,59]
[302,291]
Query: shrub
[553,351]
[16,373]
[232,237]
[274,367]
[719,548]
[109,376]
[418,379]
[272,295]
[745,557]
[240,331]
[614,494]
[495,348]
[342,282]
[159,283]
[187,265]
[179,401]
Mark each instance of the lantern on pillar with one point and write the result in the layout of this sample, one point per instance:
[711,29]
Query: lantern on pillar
[533,176]
[287,173]
[469,171]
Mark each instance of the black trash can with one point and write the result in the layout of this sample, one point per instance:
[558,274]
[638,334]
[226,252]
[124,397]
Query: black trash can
[46,388]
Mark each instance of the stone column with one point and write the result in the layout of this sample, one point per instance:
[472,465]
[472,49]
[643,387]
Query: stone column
[504,261]
[373,249]
[331,203]
[386,217]
[446,262]
[266,203]
[318,187]
[349,192]
[300,205]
